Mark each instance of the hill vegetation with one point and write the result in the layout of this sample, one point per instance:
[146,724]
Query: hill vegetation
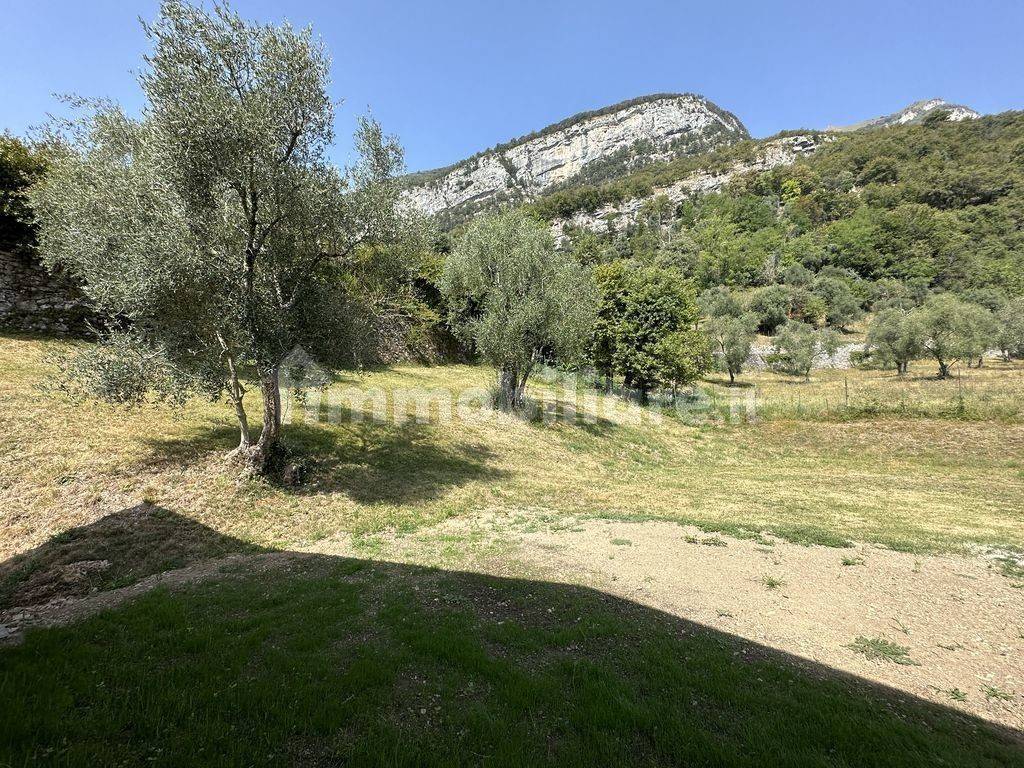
[875,221]
[938,203]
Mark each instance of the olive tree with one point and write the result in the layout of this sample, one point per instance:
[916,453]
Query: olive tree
[982,334]
[797,345]
[213,228]
[953,330]
[733,338]
[896,337]
[517,299]
[720,302]
[1010,322]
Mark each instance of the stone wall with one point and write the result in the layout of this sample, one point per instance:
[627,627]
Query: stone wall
[32,299]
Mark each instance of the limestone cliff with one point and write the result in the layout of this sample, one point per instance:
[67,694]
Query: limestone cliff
[591,146]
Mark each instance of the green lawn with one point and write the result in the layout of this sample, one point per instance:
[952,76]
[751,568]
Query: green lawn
[345,662]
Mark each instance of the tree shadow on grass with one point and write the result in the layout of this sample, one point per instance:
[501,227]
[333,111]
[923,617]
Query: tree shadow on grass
[118,549]
[722,382]
[386,463]
[371,463]
[185,449]
[300,659]
[602,427]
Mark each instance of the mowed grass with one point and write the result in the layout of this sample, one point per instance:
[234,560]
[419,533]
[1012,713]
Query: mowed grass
[994,392]
[924,484]
[344,662]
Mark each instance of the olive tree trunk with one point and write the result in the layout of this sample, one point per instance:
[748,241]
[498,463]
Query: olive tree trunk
[512,387]
[256,456]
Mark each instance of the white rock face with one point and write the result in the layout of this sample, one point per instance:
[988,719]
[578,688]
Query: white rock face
[617,217]
[921,109]
[538,163]
[915,113]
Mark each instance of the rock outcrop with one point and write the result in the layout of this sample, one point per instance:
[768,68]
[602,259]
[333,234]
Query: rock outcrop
[588,146]
[913,114]
[617,217]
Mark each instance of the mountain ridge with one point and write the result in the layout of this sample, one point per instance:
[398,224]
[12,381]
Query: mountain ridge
[596,144]
[614,142]
[419,177]
[911,114]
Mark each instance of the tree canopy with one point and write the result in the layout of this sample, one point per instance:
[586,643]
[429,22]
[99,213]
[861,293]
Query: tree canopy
[517,299]
[214,229]
[20,167]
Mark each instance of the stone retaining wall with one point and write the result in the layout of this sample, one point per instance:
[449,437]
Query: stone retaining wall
[32,299]
[841,359]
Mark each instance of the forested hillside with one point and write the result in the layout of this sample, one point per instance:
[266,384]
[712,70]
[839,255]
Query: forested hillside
[938,204]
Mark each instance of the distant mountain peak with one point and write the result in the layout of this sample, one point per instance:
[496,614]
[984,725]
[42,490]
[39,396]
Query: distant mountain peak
[912,114]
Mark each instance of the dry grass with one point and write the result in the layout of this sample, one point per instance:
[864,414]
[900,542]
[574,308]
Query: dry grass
[923,484]
[993,392]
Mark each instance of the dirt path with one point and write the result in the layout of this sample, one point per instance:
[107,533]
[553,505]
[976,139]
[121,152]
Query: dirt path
[959,619]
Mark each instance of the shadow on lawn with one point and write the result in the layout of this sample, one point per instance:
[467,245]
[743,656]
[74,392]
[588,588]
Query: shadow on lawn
[302,659]
[385,463]
[723,382]
[116,550]
[371,463]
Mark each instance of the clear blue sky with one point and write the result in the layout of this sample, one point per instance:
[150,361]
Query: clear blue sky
[451,78]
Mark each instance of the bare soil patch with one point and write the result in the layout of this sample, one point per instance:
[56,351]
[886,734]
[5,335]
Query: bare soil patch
[959,619]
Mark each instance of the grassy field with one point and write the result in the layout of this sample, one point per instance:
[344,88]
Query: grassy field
[925,484]
[328,660]
[994,392]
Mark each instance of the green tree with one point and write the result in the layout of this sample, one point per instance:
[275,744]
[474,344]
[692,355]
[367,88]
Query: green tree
[797,274]
[611,281]
[733,338]
[517,299]
[720,302]
[685,356]
[982,335]
[896,337]
[772,305]
[991,298]
[657,303]
[1010,321]
[20,167]
[842,307]
[215,225]
[797,346]
[889,293]
[806,306]
[587,247]
[953,330]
